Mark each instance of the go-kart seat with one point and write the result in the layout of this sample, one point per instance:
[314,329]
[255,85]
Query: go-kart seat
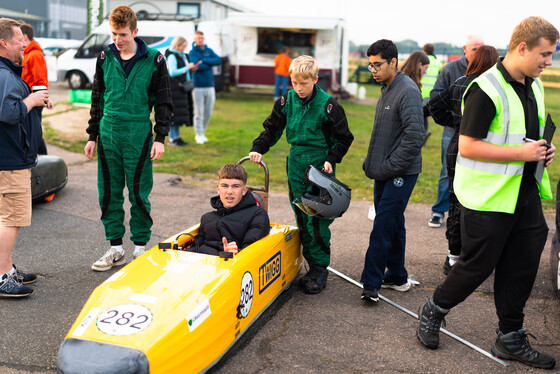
[259,198]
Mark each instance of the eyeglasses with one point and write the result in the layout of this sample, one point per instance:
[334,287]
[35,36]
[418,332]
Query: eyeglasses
[376,66]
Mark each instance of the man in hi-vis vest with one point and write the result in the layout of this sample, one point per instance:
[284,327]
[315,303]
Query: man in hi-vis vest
[499,179]
[429,79]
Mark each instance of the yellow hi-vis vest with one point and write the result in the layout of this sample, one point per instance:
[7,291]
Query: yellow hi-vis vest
[494,186]
[429,79]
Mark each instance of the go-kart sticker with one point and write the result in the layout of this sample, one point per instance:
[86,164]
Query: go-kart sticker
[79,331]
[270,271]
[197,316]
[246,297]
[124,319]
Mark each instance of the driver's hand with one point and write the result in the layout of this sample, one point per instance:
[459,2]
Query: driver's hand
[229,247]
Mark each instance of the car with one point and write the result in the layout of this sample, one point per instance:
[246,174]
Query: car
[177,311]
[52,48]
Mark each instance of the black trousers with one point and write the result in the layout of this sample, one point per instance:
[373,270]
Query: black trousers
[453,230]
[509,244]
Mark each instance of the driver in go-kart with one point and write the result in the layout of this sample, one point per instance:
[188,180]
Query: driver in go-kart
[237,221]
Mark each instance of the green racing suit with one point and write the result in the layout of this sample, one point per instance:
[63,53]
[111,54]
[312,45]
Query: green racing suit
[122,100]
[317,130]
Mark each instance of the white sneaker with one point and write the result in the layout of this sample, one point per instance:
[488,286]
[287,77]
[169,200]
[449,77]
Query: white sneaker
[204,138]
[111,258]
[397,287]
[199,139]
[138,251]
[371,213]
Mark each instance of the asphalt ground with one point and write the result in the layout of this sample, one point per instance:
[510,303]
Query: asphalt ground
[333,332]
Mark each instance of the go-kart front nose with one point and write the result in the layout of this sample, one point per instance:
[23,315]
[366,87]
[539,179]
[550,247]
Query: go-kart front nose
[91,357]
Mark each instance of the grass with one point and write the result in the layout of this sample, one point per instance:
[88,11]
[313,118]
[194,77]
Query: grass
[237,121]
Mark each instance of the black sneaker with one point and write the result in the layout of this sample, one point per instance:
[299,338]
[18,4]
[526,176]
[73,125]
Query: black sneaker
[23,277]
[177,142]
[435,221]
[11,287]
[430,317]
[317,280]
[180,142]
[447,266]
[515,346]
[370,294]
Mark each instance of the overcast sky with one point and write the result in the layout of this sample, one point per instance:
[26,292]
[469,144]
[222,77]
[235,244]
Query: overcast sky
[448,21]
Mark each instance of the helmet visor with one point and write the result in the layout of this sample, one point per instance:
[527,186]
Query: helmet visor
[305,209]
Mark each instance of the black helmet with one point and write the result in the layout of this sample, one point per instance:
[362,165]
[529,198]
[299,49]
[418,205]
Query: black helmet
[329,198]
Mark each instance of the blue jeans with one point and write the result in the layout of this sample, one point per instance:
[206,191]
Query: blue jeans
[280,81]
[442,204]
[387,240]
[173,132]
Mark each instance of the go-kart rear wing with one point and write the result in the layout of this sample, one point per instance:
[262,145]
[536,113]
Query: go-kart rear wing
[261,192]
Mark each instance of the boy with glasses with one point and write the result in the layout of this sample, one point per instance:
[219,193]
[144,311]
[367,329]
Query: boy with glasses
[394,161]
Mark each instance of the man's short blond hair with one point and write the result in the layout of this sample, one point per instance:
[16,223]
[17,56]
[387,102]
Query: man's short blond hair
[305,67]
[7,28]
[531,30]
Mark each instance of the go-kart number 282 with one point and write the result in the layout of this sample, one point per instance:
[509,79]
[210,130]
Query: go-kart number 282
[246,297]
[124,319]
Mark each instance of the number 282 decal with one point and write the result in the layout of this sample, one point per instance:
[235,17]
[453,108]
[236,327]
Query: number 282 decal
[124,319]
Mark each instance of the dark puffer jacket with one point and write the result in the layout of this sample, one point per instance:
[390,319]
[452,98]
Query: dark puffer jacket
[181,109]
[448,75]
[398,132]
[244,224]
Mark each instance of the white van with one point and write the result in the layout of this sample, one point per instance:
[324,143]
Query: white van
[77,66]
[52,48]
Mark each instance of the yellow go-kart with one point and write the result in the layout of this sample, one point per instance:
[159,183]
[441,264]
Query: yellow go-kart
[173,311]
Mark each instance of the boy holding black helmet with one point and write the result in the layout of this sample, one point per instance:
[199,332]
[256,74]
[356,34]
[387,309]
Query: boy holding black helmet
[317,129]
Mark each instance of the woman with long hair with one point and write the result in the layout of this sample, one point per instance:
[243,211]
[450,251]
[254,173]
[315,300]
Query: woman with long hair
[444,107]
[415,66]
[180,74]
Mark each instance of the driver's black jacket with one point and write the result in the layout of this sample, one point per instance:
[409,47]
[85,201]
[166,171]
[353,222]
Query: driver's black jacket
[244,224]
